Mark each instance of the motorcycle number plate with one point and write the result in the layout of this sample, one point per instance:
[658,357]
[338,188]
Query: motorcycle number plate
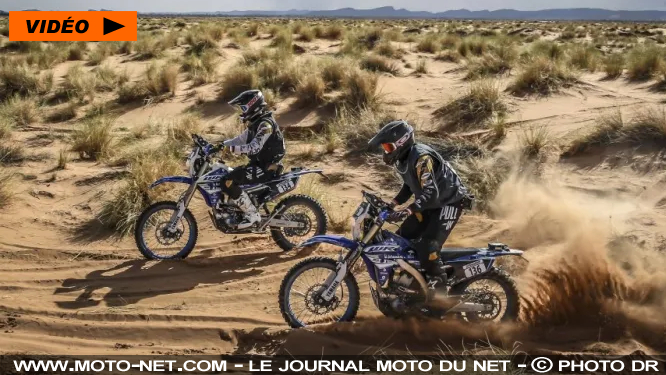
[474,269]
[285,186]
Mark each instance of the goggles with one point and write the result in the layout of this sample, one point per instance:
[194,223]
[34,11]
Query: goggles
[389,147]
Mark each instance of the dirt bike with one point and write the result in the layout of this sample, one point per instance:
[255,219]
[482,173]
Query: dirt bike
[324,290]
[293,219]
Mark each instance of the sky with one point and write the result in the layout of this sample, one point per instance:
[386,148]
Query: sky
[227,5]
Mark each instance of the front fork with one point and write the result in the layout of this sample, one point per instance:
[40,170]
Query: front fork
[183,202]
[347,263]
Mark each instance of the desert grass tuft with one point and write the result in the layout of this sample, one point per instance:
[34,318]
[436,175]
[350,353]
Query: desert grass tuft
[20,111]
[534,141]
[18,79]
[646,127]
[181,129]
[6,188]
[93,140]
[237,80]
[476,108]
[123,209]
[542,76]
[360,90]
[64,113]
[310,91]
[614,65]
[644,62]
[376,63]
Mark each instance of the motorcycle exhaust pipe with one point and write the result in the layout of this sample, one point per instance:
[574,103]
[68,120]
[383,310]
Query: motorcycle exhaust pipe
[417,275]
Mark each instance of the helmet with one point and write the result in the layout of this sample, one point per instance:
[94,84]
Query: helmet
[251,104]
[396,138]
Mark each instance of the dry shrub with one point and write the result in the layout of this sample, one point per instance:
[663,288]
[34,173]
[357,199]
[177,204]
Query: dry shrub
[306,35]
[376,63]
[310,91]
[360,90]
[283,40]
[355,127]
[123,209]
[542,76]
[487,65]
[421,66]
[12,153]
[387,49]
[6,188]
[429,44]
[534,140]
[473,46]
[644,62]
[201,69]
[548,49]
[181,129]
[99,54]
[158,82]
[77,51]
[237,80]
[614,65]
[20,111]
[334,71]
[200,43]
[78,84]
[93,139]
[334,31]
[583,56]
[63,113]
[18,79]
[477,108]
[449,56]
[63,159]
[148,47]
[6,128]
[646,127]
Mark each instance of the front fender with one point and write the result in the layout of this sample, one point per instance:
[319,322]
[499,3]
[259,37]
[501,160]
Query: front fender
[183,180]
[330,239]
[174,179]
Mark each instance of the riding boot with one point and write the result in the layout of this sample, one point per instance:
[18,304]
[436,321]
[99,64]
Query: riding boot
[437,279]
[251,215]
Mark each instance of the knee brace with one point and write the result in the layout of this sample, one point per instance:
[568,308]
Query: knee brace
[428,253]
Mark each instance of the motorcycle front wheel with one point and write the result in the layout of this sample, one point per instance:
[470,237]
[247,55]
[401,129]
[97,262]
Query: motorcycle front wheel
[299,300]
[156,242]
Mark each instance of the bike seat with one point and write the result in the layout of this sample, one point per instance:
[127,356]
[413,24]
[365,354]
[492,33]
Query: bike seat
[451,254]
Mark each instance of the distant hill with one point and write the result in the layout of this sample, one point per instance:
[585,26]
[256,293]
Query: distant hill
[591,14]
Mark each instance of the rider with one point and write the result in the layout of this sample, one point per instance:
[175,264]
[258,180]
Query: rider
[439,194]
[263,143]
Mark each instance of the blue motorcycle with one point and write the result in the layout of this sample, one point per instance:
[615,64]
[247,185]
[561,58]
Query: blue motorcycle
[168,230]
[318,290]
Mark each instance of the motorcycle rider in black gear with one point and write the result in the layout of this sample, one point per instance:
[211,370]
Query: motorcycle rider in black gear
[263,143]
[439,194]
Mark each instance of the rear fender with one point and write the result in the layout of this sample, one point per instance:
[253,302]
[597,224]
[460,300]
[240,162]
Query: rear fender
[182,180]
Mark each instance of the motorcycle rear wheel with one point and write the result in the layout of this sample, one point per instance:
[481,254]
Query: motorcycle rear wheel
[288,238]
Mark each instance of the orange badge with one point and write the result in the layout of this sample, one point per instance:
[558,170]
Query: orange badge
[91,26]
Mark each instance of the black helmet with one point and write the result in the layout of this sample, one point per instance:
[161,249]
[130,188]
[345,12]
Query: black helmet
[396,138]
[251,104]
